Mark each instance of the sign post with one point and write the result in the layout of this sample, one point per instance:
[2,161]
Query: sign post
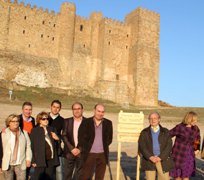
[129,127]
[10,94]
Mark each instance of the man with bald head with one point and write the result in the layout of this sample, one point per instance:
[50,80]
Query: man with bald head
[95,136]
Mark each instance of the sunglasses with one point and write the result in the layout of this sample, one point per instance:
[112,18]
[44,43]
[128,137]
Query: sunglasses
[14,121]
[43,119]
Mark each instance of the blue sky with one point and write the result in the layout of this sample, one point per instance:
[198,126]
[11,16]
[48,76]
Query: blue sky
[181,81]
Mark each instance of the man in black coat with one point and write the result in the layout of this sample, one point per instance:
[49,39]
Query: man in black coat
[155,146]
[57,122]
[95,136]
[73,161]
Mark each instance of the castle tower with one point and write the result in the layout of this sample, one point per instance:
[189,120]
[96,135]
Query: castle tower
[95,21]
[144,56]
[66,31]
[4,27]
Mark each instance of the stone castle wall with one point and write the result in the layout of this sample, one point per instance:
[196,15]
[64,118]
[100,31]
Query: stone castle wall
[109,59]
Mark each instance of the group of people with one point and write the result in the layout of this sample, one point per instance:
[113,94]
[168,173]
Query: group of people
[52,147]
[159,158]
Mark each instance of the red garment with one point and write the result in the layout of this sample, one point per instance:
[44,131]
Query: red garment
[27,126]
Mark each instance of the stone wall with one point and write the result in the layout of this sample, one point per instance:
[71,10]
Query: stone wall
[114,60]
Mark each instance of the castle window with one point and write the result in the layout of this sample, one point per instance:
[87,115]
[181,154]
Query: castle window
[48,36]
[53,38]
[109,43]
[126,47]
[84,45]
[41,35]
[127,35]
[43,22]
[29,45]
[23,31]
[25,17]
[54,25]
[117,77]
[81,27]
[109,31]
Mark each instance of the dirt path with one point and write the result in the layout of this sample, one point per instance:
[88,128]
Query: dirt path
[129,150]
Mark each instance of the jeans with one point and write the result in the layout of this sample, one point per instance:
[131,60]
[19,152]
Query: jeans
[60,169]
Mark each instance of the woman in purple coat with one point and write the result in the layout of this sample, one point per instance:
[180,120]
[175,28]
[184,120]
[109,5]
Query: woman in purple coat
[184,149]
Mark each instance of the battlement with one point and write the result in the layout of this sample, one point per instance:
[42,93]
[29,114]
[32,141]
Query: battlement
[114,22]
[28,6]
[96,16]
[81,18]
[144,13]
[115,60]
[68,6]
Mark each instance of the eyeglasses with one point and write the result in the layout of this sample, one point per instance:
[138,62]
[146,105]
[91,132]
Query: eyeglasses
[14,121]
[43,119]
[75,109]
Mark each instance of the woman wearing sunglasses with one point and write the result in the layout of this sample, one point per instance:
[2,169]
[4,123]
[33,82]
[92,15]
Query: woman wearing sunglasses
[43,145]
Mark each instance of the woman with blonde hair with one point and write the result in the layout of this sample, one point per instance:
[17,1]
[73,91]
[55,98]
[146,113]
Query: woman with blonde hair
[15,150]
[186,146]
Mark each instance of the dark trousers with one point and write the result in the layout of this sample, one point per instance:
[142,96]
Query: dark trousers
[72,164]
[44,173]
[95,163]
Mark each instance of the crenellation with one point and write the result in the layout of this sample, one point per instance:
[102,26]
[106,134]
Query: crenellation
[40,10]
[52,13]
[97,16]
[81,18]
[28,6]
[114,22]
[116,60]
[22,4]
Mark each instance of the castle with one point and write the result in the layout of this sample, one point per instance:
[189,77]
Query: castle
[105,58]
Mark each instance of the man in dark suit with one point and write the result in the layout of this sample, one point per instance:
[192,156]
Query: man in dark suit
[70,137]
[95,136]
[57,122]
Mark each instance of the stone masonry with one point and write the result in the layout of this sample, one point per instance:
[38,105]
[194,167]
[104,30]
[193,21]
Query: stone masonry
[105,58]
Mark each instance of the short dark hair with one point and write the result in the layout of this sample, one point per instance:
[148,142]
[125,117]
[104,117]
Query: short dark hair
[57,102]
[27,103]
[82,107]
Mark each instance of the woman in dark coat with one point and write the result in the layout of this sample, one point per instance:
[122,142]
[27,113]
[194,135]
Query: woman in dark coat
[43,145]
[184,150]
